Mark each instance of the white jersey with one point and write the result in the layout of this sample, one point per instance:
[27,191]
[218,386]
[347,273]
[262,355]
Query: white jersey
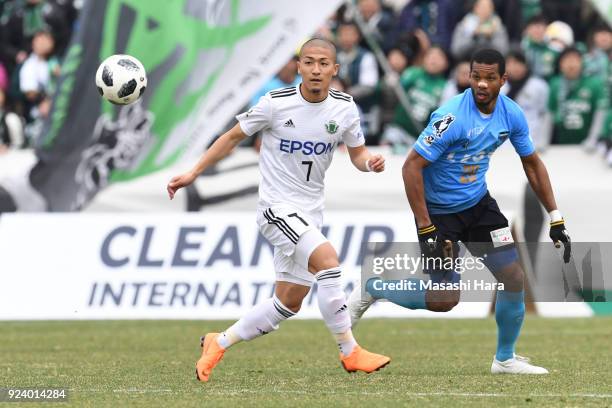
[298,142]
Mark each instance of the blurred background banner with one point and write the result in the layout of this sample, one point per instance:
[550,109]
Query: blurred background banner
[605,9]
[204,61]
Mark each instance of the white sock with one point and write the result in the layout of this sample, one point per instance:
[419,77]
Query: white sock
[228,338]
[332,303]
[346,342]
[262,319]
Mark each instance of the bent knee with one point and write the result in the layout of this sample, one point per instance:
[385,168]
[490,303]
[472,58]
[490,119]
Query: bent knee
[441,306]
[294,306]
[512,275]
[442,301]
[322,258]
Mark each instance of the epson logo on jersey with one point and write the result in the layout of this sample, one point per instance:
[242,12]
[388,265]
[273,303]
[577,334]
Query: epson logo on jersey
[308,148]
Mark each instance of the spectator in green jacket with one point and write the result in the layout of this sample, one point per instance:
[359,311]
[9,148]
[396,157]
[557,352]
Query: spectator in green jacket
[540,56]
[577,102]
[423,87]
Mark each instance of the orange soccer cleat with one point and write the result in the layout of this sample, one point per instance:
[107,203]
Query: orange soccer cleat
[212,353]
[362,360]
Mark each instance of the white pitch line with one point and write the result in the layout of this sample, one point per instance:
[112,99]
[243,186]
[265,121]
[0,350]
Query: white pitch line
[122,390]
[418,394]
[378,393]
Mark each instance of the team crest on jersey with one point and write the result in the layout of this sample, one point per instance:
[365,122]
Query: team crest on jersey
[331,127]
[443,124]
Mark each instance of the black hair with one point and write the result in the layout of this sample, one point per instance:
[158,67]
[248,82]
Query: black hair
[598,28]
[461,60]
[564,53]
[601,26]
[569,50]
[320,42]
[537,19]
[489,56]
[518,55]
[409,44]
[449,60]
[349,23]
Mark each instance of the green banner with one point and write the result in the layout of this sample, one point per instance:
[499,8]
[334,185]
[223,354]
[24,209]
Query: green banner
[204,60]
[605,9]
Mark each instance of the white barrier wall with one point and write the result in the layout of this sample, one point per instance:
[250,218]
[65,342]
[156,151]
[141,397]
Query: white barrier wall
[188,266]
[161,262]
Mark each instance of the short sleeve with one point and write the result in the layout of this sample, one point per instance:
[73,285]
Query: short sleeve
[353,135]
[519,136]
[438,136]
[257,118]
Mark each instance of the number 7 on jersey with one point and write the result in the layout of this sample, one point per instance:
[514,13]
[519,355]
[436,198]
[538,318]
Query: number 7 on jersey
[309,164]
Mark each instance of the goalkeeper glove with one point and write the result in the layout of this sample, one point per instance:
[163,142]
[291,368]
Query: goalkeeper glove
[559,235]
[428,239]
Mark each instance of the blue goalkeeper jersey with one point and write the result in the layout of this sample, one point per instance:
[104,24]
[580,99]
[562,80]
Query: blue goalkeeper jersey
[459,142]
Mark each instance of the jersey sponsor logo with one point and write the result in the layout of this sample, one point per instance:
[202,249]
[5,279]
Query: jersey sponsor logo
[289,124]
[308,147]
[428,140]
[332,127]
[440,126]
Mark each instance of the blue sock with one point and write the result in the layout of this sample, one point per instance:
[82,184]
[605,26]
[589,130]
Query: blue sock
[411,299]
[509,314]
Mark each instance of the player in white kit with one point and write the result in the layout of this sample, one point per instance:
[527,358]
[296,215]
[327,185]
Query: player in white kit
[301,127]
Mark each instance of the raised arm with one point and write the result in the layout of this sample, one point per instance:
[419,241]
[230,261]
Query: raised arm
[363,160]
[221,148]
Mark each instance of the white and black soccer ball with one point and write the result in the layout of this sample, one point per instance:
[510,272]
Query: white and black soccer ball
[121,79]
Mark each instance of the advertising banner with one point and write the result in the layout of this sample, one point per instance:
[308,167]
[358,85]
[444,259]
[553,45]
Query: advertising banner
[166,266]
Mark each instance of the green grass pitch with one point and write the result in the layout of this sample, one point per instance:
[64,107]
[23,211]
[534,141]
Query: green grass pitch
[436,362]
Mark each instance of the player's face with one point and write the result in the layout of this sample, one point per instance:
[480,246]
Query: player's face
[317,67]
[485,82]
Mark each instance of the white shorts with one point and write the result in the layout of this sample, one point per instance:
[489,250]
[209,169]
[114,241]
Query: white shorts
[283,226]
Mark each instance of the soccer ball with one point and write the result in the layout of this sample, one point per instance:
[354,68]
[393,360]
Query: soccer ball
[121,79]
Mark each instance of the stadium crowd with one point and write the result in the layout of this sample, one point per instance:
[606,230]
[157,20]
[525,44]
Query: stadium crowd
[34,35]
[401,59]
